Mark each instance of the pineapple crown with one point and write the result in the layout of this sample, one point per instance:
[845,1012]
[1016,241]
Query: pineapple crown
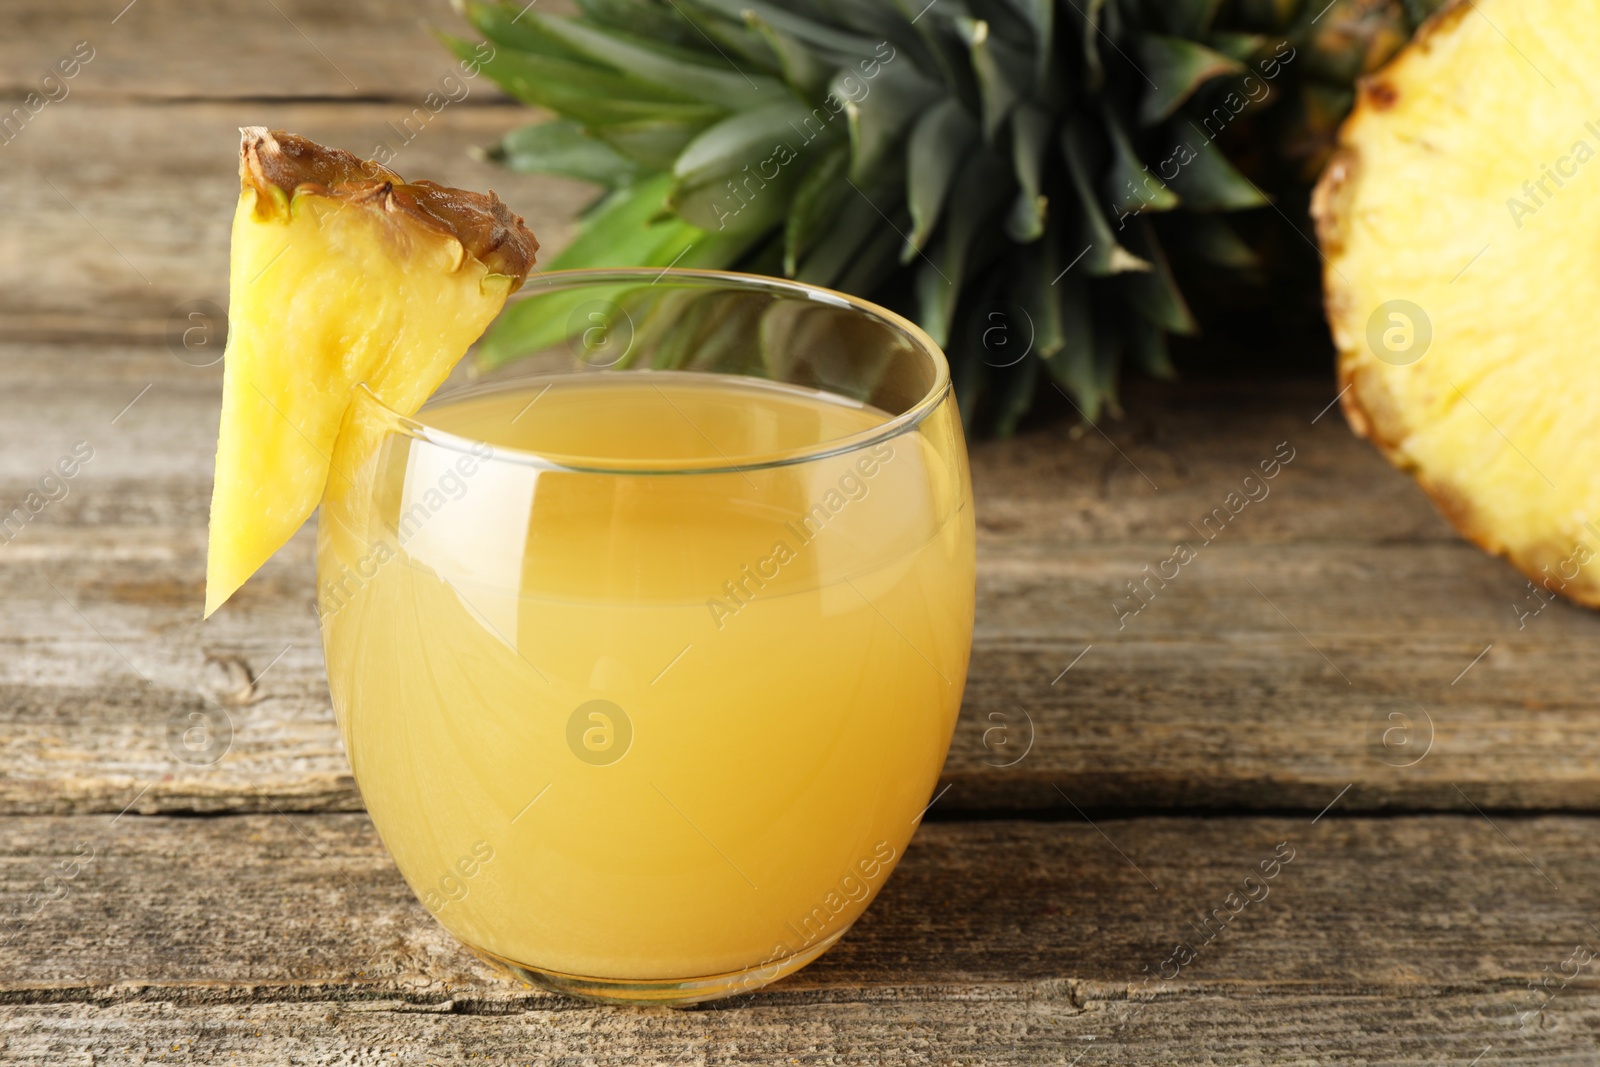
[1008,173]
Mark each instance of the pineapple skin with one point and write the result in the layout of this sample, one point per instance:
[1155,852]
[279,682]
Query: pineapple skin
[340,274]
[1498,421]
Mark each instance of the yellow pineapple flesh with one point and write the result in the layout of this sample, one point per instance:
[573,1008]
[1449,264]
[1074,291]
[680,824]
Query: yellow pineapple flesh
[1459,221]
[342,273]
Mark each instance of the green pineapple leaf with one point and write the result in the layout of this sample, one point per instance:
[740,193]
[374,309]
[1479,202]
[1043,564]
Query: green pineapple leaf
[1103,254]
[563,148]
[580,91]
[1206,181]
[816,205]
[1178,68]
[879,119]
[956,160]
[801,67]
[940,141]
[837,246]
[982,189]
[678,70]
[654,144]
[1030,146]
[502,24]
[996,65]
[741,172]
[1130,184]
[834,44]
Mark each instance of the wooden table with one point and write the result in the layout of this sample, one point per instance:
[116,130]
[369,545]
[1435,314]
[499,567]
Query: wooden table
[1336,677]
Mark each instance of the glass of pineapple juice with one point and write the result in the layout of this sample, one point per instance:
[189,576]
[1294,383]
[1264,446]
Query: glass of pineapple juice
[647,647]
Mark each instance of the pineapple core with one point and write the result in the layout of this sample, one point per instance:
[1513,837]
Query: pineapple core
[341,274]
[1459,220]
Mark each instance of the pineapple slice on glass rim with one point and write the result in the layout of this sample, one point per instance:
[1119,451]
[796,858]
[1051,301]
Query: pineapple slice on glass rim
[341,273]
[1457,220]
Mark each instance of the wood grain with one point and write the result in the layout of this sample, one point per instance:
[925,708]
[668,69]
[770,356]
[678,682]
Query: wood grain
[106,244]
[1256,689]
[155,50]
[1028,1023]
[1208,698]
[1015,942]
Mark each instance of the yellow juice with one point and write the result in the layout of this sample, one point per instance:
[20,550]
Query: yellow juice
[649,722]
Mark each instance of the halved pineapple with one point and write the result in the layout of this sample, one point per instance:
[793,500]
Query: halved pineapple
[341,273]
[1460,222]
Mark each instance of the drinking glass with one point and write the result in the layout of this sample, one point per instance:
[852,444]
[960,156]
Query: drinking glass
[653,716]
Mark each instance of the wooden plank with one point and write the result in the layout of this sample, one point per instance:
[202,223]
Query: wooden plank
[112,242]
[1208,697]
[1030,1023]
[150,50]
[992,939]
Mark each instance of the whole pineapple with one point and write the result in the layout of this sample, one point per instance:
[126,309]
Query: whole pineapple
[1008,173]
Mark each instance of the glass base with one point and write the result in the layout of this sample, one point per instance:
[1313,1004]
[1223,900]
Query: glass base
[666,992]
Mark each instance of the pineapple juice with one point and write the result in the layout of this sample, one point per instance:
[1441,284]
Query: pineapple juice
[648,723]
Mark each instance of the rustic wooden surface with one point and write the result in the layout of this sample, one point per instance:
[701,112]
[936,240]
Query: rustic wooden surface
[1090,814]
[996,942]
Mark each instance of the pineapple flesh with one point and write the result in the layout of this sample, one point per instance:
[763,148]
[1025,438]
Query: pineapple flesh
[1456,220]
[341,274]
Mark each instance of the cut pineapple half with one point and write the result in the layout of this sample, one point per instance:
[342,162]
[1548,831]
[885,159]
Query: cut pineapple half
[1459,222]
[342,273]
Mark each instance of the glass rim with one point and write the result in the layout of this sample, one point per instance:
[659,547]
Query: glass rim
[418,428]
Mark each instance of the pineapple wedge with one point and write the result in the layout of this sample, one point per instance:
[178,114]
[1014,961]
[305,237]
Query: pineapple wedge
[341,273]
[1457,219]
